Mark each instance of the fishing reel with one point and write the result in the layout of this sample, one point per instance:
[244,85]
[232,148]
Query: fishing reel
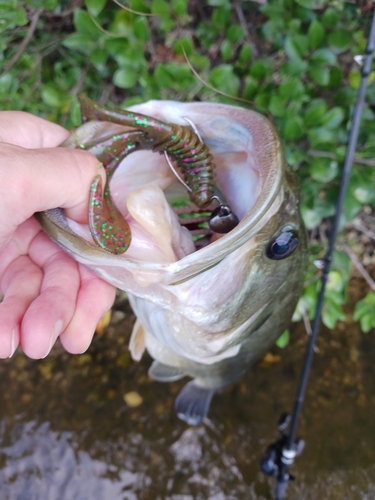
[278,455]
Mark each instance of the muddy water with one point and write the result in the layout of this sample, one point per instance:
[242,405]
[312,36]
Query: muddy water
[67,432]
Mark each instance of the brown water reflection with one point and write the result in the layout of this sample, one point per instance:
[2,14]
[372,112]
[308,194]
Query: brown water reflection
[66,432]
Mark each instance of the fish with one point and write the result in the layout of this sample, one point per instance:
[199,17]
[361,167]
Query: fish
[206,307]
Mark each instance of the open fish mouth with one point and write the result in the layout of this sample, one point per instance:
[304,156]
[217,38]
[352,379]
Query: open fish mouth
[146,191]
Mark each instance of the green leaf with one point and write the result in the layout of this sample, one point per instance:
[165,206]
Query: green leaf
[332,312]
[52,95]
[219,3]
[311,217]
[330,18]
[246,53]
[180,7]
[367,322]
[361,186]
[98,57]
[323,169]
[261,68]
[226,50]
[318,73]
[187,44]
[223,78]
[220,18]
[333,118]
[291,89]
[277,106]
[75,113]
[293,128]
[199,61]
[235,33]
[307,303]
[354,78]
[340,40]
[125,78]
[251,88]
[160,8]
[312,4]
[324,56]
[45,4]
[321,135]
[352,207]
[341,262]
[84,24]
[163,76]
[12,18]
[297,67]
[315,34]
[81,43]
[365,312]
[291,49]
[141,29]
[272,31]
[95,6]
[116,46]
[335,78]
[362,306]
[295,26]
[262,100]
[283,340]
[6,82]
[315,112]
[335,282]
[174,75]
[8,4]
[302,43]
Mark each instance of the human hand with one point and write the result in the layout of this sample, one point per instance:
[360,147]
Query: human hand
[46,293]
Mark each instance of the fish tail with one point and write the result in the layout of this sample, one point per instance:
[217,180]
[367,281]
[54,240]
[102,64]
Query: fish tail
[193,402]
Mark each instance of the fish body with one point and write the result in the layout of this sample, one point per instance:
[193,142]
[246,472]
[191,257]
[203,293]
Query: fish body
[206,313]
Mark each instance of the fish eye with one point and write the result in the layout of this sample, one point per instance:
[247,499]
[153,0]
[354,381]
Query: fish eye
[282,245]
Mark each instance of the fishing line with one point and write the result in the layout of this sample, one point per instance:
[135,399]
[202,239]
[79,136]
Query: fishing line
[280,455]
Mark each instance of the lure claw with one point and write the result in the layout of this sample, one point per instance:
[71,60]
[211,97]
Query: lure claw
[113,235]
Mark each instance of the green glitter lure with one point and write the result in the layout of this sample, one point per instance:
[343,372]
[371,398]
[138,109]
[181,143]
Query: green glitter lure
[181,144]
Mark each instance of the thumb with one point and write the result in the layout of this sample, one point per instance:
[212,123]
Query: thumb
[33,180]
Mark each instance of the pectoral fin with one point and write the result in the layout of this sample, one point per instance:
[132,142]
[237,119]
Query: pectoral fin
[192,403]
[164,373]
[137,344]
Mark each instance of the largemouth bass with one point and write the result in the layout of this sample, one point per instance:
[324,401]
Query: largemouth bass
[203,310]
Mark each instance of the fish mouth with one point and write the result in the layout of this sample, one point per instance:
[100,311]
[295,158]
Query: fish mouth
[248,158]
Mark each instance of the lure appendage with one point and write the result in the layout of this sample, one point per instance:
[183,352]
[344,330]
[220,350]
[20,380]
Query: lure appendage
[182,144]
[108,227]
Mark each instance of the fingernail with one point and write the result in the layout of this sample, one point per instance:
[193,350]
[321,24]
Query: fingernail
[13,342]
[56,330]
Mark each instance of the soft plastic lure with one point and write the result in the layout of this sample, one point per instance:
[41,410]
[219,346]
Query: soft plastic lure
[180,144]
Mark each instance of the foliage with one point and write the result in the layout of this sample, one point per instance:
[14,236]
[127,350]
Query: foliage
[292,58]
[283,340]
[365,312]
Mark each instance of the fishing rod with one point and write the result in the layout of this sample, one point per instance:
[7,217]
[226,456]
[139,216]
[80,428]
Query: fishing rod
[280,455]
